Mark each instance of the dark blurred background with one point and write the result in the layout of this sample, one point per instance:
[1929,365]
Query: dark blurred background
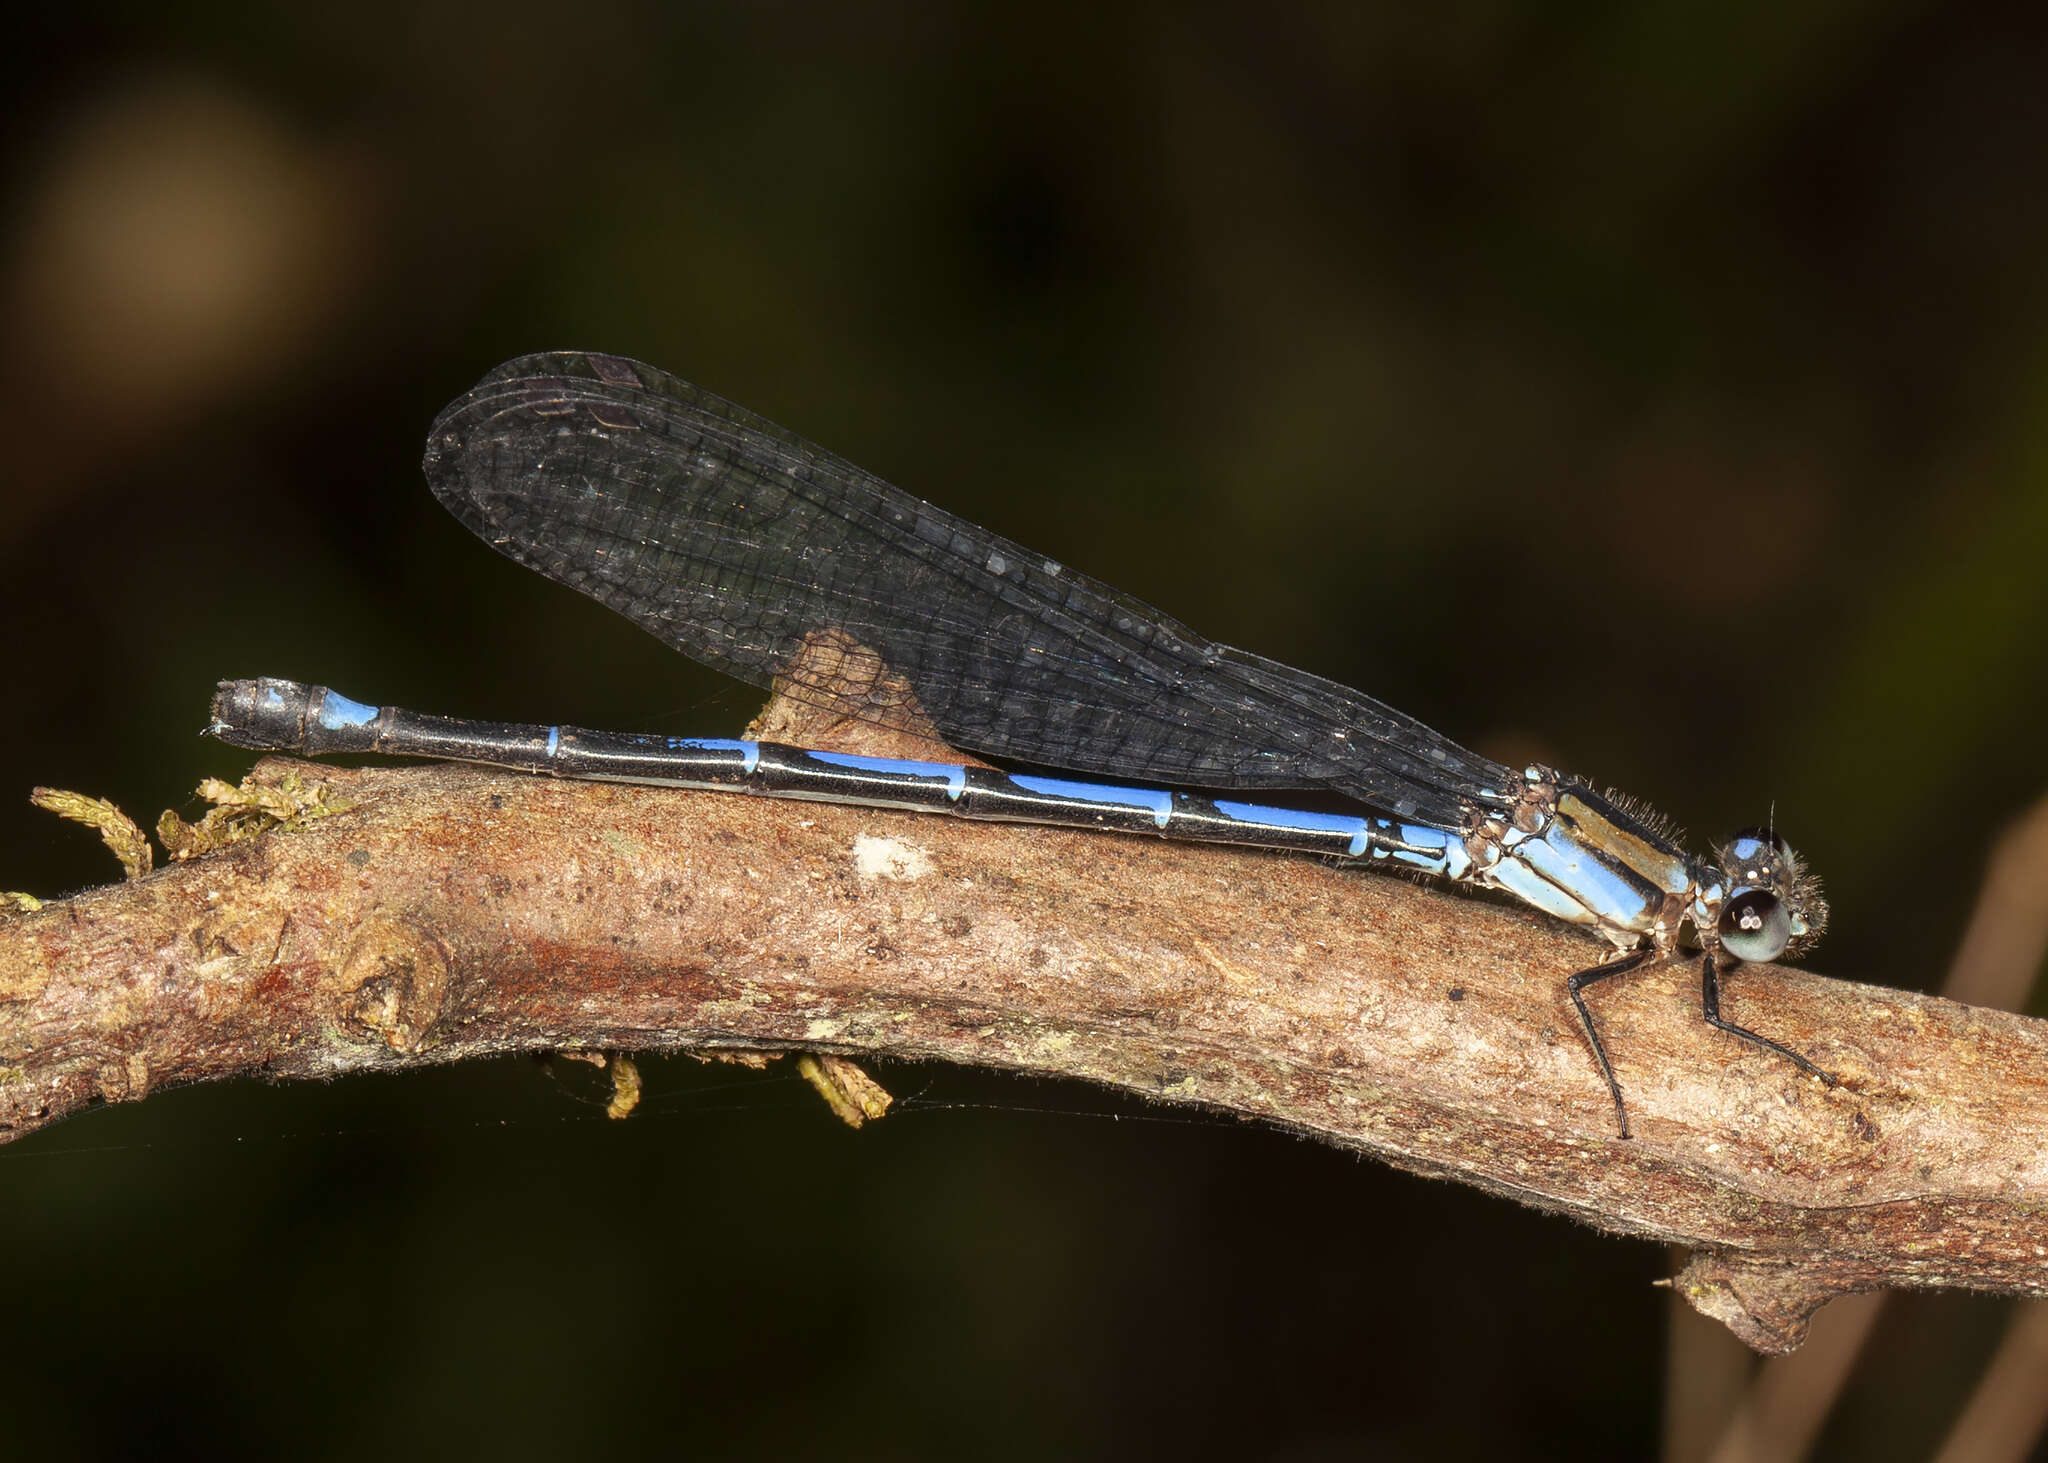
[1658,389]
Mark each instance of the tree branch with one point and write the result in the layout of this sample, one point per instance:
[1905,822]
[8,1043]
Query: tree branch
[448,913]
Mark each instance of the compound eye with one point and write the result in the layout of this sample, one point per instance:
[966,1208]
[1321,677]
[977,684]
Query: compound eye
[1754,925]
[1752,844]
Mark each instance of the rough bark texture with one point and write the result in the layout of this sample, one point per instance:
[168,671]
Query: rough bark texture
[451,913]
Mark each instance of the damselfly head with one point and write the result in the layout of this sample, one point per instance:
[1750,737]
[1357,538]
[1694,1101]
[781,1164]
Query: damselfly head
[1773,906]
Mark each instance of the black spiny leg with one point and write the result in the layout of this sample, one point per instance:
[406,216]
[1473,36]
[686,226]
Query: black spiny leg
[1710,1007]
[1579,982]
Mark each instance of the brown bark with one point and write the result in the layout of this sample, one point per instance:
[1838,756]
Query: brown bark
[450,912]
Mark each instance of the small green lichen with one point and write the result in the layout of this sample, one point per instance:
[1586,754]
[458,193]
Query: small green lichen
[625,1073]
[116,829]
[848,1090]
[242,812]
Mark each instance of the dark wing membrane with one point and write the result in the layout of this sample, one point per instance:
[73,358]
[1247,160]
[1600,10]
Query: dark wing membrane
[733,540]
